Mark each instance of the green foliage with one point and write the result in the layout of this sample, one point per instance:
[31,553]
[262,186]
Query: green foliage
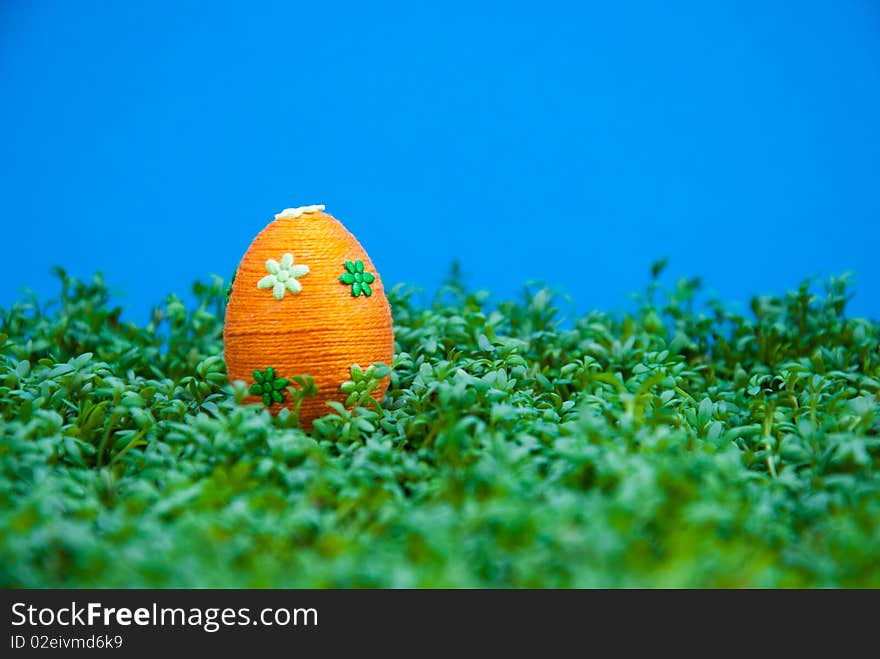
[680,445]
[303,387]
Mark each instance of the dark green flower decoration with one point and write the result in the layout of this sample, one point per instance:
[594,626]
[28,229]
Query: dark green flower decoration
[358,279]
[268,386]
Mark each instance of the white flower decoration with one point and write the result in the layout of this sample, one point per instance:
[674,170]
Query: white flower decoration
[300,210]
[283,276]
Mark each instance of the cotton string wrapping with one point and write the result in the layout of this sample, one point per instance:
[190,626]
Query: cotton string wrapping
[321,330]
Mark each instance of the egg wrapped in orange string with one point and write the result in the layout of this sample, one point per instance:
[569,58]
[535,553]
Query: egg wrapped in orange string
[306,300]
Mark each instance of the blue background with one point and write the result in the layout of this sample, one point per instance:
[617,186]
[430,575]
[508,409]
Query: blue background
[537,140]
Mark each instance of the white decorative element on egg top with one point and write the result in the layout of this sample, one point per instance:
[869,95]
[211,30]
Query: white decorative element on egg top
[299,210]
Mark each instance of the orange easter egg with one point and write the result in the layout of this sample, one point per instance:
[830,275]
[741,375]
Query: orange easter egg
[306,300]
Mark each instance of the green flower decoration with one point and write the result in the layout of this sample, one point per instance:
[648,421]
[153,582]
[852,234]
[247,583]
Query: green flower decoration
[268,386]
[283,276]
[358,279]
[363,382]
